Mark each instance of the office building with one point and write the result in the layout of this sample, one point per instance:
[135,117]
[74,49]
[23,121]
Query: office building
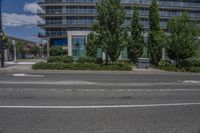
[67,22]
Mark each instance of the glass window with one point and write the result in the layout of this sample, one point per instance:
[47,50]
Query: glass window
[78,46]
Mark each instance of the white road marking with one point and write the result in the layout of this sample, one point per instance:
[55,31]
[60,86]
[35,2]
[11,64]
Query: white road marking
[27,75]
[102,106]
[192,81]
[50,83]
[95,83]
[100,90]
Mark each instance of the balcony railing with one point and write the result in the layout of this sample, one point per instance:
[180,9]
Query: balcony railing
[162,3]
[67,22]
[67,11]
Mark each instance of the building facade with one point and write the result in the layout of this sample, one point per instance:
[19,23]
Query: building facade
[67,22]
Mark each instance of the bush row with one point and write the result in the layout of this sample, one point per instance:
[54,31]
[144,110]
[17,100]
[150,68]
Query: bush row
[86,60]
[190,63]
[78,66]
[60,59]
[90,60]
[193,66]
[168,66]
[193,69]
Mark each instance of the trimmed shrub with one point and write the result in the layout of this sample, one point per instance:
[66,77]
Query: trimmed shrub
[125,62]
[86,60]
[193,69]
[78,66]
[170,68]
[118,67]
[167,65]
[99,60]
[40,65]
[60,59]
[67,59]
[190,63]
[55,59]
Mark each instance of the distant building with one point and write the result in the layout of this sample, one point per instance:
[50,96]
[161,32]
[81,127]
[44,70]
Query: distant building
[67,22]
[8,53]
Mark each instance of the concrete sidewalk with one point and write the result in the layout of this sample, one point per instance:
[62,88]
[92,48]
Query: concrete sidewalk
[19,65]
[18,68]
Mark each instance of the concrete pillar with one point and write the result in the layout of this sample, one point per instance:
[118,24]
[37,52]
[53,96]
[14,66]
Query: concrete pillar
[104,56]
[120,56]
[5,54]
[48,48]
[15,50]
[69,44]
[163,53]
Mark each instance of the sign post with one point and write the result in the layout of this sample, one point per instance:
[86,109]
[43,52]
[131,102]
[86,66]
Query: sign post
[1,37]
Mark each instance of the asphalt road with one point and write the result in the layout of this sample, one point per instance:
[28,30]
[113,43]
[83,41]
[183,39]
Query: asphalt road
[99,103]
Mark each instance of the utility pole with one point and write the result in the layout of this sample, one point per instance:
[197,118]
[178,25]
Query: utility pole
[1,37]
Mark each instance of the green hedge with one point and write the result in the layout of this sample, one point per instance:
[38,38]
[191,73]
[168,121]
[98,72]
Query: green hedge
[60,59]
[193,69]
[86,60]
[187,66]
[78,66]
[190,63]
[168,66]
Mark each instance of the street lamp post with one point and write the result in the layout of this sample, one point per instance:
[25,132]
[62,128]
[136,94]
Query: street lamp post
[1,37]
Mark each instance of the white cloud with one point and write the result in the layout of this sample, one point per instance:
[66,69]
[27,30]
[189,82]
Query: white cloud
[14,20]
[31,7]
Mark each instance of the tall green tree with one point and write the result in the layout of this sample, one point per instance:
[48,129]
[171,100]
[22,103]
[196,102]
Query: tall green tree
[108,27]
[91,46]
[5,41]
[156,36]
[20,47]
[35,50]
[136,41]
[182,39]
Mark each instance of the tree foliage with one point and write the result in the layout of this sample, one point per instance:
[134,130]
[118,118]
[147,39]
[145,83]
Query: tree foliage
[156,38]
[56,51]
[20,47]
[5,41]
[136,40]
[182,39]
[91,46]
[35,50]
[154,16]
[108,27]
[157,41]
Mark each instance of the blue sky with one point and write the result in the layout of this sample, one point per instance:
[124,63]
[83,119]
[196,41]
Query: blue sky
[20,19]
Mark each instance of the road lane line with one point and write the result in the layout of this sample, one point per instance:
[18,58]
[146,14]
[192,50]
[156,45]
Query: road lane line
[101,90]
[50,83]
[27,75]
[96,83]
[100,106]
[191,81]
